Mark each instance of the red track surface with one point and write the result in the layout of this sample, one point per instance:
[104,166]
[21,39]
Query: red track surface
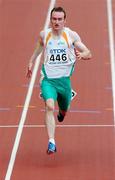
[84,153]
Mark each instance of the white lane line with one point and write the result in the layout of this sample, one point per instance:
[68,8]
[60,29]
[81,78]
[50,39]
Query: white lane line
[112,49]
[61,126]
[26,105]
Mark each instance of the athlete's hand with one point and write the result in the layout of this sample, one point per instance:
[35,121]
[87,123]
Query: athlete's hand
[78,55]
[29,73]
[82,55]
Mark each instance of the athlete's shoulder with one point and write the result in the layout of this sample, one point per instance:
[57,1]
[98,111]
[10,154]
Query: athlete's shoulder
[67,29]
[44,33]
[74,35]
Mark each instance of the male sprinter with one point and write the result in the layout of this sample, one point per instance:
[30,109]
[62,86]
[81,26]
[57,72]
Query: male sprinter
[59,44]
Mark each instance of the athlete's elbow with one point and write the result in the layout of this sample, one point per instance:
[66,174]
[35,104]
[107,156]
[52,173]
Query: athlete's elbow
[89,55]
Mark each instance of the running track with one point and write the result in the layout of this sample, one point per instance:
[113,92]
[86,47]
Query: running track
[86,139]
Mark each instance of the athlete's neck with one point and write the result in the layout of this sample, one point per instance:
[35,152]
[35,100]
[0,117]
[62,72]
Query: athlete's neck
[57,32]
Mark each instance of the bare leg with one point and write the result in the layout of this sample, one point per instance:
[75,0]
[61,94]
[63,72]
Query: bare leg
[50,120]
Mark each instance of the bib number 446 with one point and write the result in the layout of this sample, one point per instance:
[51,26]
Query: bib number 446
[58,57]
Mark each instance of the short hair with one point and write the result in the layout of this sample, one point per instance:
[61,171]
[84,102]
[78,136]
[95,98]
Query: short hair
[58,9]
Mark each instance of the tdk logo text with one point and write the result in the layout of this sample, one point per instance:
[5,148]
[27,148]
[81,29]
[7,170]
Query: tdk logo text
[55,51]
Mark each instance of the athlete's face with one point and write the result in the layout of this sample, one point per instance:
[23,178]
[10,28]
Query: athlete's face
[57,21]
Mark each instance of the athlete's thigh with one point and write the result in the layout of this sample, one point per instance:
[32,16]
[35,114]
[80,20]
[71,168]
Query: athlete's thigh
[48,90]
[64,100]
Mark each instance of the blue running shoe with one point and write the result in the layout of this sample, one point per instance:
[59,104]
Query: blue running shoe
[51,148]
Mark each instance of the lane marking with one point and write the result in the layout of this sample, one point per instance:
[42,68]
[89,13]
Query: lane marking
[108,88]
[85,111]
[60,126]
[112,50]
[89,111]
[107,63]
[30,107]
[78,111]
[4,109]
[26,105]
[109,109]
[27,85]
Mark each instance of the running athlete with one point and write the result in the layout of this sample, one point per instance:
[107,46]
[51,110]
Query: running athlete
[61,47]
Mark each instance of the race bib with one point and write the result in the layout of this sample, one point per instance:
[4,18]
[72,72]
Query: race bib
[57,56]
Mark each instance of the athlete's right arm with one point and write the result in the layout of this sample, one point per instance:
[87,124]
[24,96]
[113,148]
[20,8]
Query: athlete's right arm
[37,51]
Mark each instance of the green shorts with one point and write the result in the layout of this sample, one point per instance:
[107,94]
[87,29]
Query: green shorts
[58,89]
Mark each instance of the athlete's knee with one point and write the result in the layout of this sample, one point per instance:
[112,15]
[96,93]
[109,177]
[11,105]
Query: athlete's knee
[50,105]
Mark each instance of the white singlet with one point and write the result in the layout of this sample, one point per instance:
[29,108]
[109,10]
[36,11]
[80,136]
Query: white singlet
[59,55]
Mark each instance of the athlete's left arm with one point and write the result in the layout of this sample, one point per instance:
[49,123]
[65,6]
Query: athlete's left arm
[82,52]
